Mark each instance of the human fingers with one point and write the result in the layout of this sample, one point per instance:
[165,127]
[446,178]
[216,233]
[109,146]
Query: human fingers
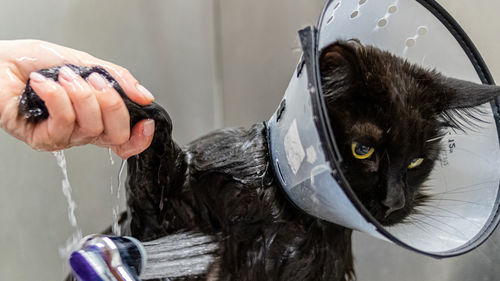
[135,91]
[141,137]
[55,132]
[89,123]
[33,55]
[115,116]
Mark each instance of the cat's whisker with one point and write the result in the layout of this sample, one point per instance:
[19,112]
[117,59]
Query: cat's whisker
[422,212]
[411,221]
[426,227]
[462,189]
[434,215]
[471,221]
[448,225]
[436,227]
[464,202]
[436,138]
[462,192]
[476,184]
[443,229]
[419,225]
[486,159]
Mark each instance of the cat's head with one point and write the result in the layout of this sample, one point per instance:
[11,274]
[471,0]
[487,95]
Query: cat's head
[388,118]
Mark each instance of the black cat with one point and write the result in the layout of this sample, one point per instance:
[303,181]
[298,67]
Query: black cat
[388,116]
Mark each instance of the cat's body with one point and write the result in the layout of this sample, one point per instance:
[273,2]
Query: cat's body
[223,182]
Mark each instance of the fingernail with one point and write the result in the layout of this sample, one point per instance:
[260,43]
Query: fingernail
[67,74]
[149,128]
[37,77]
[147,94]
[97,81]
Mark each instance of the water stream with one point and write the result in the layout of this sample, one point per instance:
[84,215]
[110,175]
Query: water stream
[111,160]
[115,227]
[175,255]
[181,254]
[76,236]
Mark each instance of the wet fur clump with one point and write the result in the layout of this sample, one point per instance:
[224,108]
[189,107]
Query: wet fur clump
[223,183]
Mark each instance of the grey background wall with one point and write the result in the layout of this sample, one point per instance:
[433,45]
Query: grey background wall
[168,45]
[211,63]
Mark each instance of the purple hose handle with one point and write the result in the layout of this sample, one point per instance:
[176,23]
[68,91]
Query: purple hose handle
[108,258]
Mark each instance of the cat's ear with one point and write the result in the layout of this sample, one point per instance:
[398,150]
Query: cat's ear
[339,66]
[459,94]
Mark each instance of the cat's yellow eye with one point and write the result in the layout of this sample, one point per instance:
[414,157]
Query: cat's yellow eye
[361,151]
[415,163]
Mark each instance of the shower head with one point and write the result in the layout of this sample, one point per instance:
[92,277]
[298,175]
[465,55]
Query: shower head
[107,258]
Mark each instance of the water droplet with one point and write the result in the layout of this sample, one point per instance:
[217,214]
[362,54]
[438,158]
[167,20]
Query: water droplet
[111,157]
[115,228]
[71,244]
[120,183]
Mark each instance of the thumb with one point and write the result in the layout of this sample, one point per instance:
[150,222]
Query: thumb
[140,139]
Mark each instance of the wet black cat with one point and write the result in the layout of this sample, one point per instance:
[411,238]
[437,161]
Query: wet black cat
[223,182]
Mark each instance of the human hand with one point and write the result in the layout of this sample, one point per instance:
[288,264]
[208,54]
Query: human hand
[80,112]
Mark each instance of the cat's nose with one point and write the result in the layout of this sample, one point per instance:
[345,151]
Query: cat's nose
[395,199]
